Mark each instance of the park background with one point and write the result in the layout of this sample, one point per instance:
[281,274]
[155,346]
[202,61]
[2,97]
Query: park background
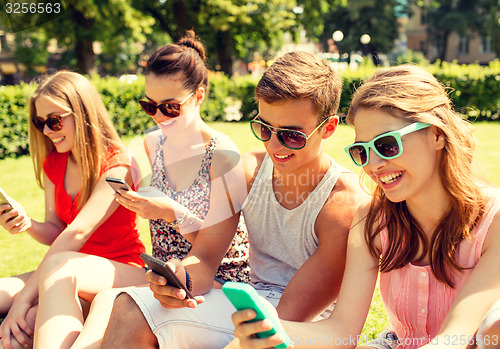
[110,40]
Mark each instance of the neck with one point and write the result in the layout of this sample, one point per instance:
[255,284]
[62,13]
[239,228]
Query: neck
[185,145]
[429,207]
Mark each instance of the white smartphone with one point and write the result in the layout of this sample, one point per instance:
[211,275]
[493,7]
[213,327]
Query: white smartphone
[5,200]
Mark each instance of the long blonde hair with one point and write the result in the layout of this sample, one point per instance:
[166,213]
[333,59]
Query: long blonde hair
[95,135]
[412,93]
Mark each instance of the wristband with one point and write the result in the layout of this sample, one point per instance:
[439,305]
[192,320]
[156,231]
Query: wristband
[175,224]
[189,285]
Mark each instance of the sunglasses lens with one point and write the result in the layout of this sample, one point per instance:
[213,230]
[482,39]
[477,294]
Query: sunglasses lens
[39,123]
[358,154]
[171,111]
[291,139]
[54,123]
[149,108]
[260,131]
[387,146]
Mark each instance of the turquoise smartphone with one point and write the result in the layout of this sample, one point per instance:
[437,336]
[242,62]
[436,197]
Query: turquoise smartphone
[244,296]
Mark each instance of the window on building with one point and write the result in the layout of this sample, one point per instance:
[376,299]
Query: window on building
[463,45]
[486,44]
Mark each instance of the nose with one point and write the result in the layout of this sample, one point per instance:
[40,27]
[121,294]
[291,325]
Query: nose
[273,143]
[46,129]
[375,161]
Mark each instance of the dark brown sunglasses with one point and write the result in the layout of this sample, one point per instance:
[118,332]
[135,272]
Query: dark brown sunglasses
[171,110]
[54,122]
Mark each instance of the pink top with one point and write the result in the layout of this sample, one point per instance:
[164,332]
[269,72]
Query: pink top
[415,301]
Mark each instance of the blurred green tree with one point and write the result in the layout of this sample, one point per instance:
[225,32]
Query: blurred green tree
[376,18]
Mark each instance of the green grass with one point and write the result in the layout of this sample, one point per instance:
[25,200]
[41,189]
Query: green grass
[21,253]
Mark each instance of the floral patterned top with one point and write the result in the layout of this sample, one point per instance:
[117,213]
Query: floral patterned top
[169,243]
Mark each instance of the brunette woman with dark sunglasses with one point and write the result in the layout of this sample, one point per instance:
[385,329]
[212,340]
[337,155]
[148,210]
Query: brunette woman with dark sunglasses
[196,172]
[94,242]
[432,228]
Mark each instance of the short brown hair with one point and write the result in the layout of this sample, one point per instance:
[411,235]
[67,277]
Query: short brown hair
[301,75]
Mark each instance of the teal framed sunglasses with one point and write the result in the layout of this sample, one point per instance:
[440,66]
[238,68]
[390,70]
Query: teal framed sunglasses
[291,139]
[387,145]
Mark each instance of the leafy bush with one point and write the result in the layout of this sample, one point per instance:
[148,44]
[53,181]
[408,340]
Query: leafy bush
[474,90]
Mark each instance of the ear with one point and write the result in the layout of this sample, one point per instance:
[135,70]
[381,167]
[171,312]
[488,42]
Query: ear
[438,137]
[199,95]
[330,127]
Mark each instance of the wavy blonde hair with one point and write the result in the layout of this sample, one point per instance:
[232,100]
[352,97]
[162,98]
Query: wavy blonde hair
[411,93]
[95,135]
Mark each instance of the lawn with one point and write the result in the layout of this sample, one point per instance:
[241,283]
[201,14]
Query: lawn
[21,253]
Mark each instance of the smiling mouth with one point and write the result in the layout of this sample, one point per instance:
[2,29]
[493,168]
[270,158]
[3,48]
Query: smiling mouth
[388,179]
[57,140]
[282,157]
[167,123]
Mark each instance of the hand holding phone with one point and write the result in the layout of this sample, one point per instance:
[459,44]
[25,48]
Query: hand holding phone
[118,184]
[4,200]
[244,296]
[162,268]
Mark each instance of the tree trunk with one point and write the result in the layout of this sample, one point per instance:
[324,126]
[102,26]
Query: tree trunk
[442,54]
[225,52]
[84,50]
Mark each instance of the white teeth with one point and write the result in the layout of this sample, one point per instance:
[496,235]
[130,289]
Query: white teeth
[390,178]
[281,156]
[57,140]
[169,122]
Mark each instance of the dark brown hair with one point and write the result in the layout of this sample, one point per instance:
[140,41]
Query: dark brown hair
[301,75]
[187,57]
[411,93]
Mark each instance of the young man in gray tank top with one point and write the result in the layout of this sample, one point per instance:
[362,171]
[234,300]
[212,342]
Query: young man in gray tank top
[298,212]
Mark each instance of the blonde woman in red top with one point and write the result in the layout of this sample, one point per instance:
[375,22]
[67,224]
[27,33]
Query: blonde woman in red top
[94,242]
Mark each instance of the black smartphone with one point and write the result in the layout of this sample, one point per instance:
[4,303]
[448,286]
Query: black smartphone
[161,268]
[117,184]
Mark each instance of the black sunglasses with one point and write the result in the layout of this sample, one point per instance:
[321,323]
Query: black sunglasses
[291,139]
[54,122]
[171,110]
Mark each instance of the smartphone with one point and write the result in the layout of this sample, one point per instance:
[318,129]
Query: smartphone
[161,268]
[4,200]
[243,296]
[118,184]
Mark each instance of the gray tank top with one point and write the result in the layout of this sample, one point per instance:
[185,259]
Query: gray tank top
[281,240]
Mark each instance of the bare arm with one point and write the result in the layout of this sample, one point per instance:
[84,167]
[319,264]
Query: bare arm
[98,208]
[480,291]
[349,314]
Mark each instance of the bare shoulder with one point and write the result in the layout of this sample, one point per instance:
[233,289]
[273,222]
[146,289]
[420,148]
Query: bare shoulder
[151,140]
[492,241]
[341,207]
[251,164]
[347,194]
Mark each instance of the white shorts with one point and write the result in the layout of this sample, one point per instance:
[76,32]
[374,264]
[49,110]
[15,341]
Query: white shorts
[207,326]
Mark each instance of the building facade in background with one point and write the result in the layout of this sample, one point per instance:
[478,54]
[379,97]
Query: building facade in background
[472,48]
